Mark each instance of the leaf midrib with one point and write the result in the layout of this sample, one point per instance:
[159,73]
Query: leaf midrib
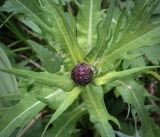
[97,111]
[22,74]
[101,44]
[89,42]
[107,57]
[28,109]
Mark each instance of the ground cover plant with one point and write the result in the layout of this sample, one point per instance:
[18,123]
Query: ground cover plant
[79,68]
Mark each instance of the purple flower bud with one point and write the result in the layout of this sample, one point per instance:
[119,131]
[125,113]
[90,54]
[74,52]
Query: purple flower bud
[82,74]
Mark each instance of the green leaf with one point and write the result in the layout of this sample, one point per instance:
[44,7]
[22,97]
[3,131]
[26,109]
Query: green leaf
[87,19]
[134,59]
[24,111]
[11,6]
[28,8]
[50,61]
[137,62]
[136,32]
[56,80]
[154,74]
[50,18]
[53,102]
[93,98]
[120,74]
[29,23]
[152,53]
[68,100]
[120,134]
[62,32]
[145,39]
[103,36]
[65,125]
[132,93]
[8,82]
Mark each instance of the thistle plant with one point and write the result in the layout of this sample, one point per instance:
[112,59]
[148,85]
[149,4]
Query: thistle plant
[85,56]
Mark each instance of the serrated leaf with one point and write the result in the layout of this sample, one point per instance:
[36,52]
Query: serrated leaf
[146,39]
[66,123]
[63,32]
[93,98]
[87,20]
[68,100]
[103,36]
[62,81]
[50,18]
[120,74]
[136,33]
[132,93]
[24,111]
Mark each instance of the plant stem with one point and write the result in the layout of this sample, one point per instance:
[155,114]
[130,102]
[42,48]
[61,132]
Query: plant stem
[14,43]
[21,49]
[32,62]
[30,124]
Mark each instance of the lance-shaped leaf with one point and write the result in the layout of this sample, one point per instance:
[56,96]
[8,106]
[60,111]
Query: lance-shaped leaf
[137,33]
[148,38]
[62,31]
[93,98]
[132,93]
[120,74]
[88,17]
[65,125]
[62,81]
[103,35]
[25,110]
[50,18]
[68,100]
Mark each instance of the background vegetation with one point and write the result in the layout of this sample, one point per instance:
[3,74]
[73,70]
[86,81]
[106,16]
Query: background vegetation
[43,40]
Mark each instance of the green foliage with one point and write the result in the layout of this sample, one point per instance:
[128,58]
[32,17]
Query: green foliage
[93,98]
[153,58]
[103,36]
[57,80]
[120,39]
[132,93]
[8,83]
[68,100]
[88,18]
[25,110]
[65,125]
[111,76]
[50,61]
